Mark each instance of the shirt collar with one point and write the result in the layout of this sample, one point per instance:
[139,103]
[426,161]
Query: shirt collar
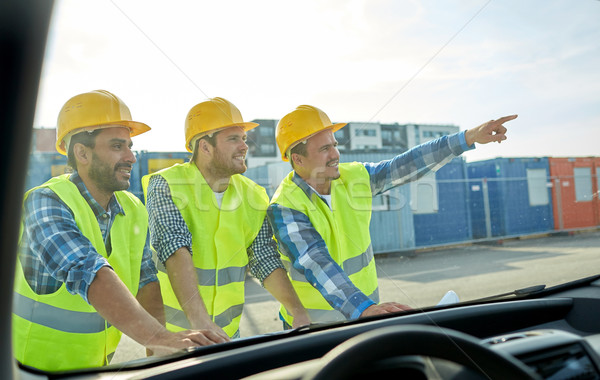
[308,190]
[113,205]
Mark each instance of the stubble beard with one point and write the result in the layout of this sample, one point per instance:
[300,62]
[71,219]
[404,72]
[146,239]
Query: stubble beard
[105,177]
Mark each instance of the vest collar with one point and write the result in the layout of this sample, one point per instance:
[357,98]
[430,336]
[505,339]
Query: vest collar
[114,205]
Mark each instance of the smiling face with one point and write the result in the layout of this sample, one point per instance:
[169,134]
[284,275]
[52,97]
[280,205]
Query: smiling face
[112,160]
[229,153]
[319,166]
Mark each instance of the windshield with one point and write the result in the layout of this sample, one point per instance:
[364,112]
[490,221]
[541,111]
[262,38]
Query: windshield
[187,167]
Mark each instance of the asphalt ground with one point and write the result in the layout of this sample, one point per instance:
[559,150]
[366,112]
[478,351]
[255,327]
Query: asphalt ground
[421,278]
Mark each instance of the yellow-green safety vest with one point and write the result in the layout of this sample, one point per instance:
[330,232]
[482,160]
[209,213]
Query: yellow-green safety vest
[220,239]
[345,230]
[60,331]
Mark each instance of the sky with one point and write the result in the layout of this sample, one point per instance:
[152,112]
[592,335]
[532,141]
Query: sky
[460,62]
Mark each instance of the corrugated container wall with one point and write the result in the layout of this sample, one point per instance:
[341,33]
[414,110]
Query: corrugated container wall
[150,162]
[510,197]
[575,192]
[440,206]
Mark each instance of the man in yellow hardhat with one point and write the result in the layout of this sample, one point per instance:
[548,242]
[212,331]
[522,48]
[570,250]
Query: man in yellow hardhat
[207,224]
[320,213]
[85,272]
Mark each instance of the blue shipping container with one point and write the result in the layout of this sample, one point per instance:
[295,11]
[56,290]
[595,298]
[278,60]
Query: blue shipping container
[445,216]
[510,197]
[150,162]
[43,166]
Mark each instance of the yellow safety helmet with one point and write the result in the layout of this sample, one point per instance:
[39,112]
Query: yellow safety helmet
[211,116]
[299,125]
[93,110]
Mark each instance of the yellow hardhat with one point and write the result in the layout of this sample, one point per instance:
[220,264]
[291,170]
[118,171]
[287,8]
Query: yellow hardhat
[210,116]
[301,124]
[93,110]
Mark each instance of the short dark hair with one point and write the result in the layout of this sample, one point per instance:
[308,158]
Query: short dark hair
[210,138]
[87,138]
[300,149]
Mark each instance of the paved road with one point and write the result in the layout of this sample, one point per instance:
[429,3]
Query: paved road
[472,271]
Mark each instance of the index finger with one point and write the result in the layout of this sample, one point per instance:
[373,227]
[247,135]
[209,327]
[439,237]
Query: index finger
[504,119]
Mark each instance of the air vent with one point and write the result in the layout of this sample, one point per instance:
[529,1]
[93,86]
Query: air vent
[566,362]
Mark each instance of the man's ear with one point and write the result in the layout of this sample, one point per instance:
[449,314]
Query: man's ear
[297,159]
[204,147]
[82,153]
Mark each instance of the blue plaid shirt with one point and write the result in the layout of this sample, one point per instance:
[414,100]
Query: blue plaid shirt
[169,232]
[53,250]
[300,241]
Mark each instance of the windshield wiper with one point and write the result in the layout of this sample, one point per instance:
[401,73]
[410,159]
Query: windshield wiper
[518,292]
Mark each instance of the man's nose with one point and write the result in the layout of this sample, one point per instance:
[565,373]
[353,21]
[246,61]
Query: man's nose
[130,156]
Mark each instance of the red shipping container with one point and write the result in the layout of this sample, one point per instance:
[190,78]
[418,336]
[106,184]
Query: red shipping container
[575,192]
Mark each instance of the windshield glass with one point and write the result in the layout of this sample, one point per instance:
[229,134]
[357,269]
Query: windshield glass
[224,99]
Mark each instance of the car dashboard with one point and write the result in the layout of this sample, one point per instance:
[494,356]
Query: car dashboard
[552,334]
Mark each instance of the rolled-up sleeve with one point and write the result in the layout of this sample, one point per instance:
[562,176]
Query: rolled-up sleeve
[168,230]
[66,254]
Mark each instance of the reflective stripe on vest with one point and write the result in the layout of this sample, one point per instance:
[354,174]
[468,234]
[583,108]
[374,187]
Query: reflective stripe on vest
[345,230]
[56,318]
[222,236]
[60,331]
[206,277]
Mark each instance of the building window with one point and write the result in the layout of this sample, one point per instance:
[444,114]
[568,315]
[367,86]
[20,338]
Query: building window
[266,131]
[583,184]
[267,148]
[537,187]
[366,132]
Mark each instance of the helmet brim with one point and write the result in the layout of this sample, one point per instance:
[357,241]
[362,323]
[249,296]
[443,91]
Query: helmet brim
[135,128]
[246,126]
[333,127]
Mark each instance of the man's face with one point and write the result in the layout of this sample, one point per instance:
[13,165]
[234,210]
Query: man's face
[229,154]
[112,160]
[322,156]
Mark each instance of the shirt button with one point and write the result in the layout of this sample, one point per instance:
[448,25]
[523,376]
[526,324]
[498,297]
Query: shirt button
[104,216]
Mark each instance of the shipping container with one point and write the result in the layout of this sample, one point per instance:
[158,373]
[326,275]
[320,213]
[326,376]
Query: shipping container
[575,192]
[440,206]
[510,197]
[151,162]
[392,225]
[43,166]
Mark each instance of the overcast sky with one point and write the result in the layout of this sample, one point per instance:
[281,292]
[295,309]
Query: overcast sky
[451,62]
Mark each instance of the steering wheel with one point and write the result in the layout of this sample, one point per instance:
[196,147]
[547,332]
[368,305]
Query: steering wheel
[360,351]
